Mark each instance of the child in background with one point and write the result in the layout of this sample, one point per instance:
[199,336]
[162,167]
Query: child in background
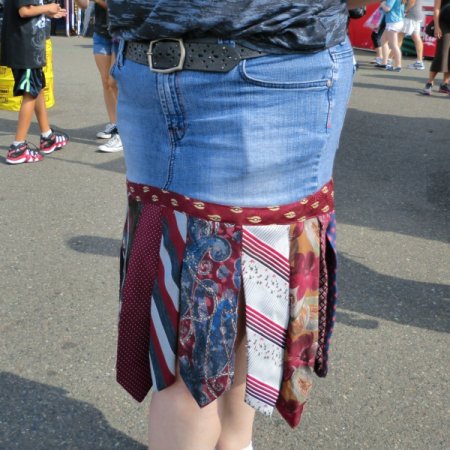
[376,40]
[395,13]
[23,50]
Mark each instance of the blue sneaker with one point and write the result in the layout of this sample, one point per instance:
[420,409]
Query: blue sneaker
[393,69]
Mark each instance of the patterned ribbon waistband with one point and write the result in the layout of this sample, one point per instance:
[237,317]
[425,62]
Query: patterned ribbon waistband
[314,205]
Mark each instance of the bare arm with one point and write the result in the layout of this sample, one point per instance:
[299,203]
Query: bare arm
[52,10]
[409,5]
[83,4]
[384,7]
[437,12]
[101,3]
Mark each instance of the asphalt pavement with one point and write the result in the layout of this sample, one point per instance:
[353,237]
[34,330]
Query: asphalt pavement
[60,226]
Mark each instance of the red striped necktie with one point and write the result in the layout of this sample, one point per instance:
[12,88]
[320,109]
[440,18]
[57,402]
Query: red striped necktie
[265,268]
[165,300]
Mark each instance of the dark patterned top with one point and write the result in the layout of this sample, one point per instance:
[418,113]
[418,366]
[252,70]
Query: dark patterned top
[277,26]
[23,39]
[101,21]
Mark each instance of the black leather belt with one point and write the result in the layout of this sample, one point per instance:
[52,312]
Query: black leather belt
[171,55]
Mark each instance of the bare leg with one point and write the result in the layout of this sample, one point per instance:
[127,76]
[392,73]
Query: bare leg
[419,46]
[446,77]
[104,63]
[385,47]
[176,422]
[400,36]
[392,41]
[25,117]
[41,113]
[431,77]
[236,416]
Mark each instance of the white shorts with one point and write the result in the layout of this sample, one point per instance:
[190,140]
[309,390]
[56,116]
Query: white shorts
[394,26]
[411,27]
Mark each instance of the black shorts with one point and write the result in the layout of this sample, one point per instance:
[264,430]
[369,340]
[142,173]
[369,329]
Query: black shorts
[30,81]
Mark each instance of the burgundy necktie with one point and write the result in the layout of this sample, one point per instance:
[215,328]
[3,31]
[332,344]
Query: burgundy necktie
[143,240]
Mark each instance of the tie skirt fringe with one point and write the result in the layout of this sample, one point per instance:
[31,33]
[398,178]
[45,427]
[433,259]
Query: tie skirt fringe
[184,263]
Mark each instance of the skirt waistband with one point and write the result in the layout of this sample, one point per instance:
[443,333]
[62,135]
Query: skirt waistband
[316,204]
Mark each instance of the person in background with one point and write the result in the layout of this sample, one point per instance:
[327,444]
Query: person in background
[411,27]
[377,44]
[23,50]
[441,60]
[395,13]
[356,13]
[105,49]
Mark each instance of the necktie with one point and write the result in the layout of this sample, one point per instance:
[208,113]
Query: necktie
[165,300]
[210,283]
[142,235]
[265,270]
[301,344]
[327,291]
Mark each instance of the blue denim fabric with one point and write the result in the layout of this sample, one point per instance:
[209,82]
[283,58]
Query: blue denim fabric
[103,45]
[265,133]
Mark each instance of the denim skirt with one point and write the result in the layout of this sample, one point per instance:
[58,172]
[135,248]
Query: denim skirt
[264,133]
[230,196]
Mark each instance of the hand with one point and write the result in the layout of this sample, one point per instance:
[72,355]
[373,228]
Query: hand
[55,11]
[437,31]
[61,13]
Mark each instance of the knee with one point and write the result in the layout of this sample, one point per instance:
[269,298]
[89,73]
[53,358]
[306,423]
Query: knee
[183,404]
[111,83]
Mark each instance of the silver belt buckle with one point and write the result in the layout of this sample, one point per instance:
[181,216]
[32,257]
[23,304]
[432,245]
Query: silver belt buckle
[176,68]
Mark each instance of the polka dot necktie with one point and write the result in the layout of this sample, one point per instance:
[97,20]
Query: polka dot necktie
[132,365]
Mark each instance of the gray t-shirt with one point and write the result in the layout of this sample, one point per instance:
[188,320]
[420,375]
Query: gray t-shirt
[416,12]
[268,25]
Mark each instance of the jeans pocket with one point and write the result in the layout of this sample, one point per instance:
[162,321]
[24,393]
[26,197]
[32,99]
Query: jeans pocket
[293,71]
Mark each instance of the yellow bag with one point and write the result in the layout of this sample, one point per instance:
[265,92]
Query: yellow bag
[7,99]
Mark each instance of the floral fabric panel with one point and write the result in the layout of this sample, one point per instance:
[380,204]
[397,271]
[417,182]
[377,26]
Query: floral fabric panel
[301,343]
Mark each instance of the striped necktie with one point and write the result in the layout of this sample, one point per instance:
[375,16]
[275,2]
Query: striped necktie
[165,300]
[265,269]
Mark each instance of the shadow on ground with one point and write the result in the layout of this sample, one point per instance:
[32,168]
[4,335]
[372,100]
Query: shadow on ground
[36,416]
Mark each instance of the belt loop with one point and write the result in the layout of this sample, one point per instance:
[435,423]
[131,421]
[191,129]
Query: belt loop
[120,53]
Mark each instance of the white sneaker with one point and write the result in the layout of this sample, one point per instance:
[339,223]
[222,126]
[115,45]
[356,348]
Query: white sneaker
[418,65]
[112,146]
[108,131]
